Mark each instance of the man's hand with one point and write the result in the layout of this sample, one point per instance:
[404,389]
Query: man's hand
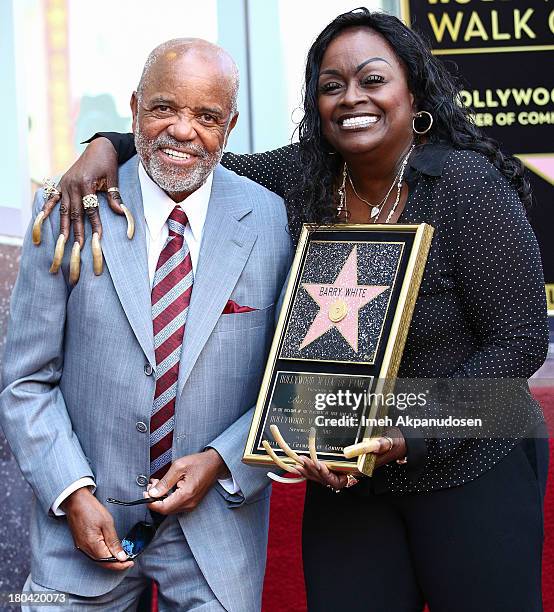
[93,529]
[192,476]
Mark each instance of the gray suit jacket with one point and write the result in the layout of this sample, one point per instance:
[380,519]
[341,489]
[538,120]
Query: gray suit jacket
[75,382]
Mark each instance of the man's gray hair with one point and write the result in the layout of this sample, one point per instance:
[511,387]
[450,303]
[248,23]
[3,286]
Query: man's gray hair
[180,46]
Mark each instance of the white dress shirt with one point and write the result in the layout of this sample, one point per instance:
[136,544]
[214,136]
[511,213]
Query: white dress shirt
[157,208]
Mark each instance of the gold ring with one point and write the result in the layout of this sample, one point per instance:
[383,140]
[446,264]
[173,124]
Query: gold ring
[350,481]
[391,442]
[90,201]
[50,189]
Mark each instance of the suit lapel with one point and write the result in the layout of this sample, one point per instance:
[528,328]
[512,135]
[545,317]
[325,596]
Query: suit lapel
[127,260]
[225,248]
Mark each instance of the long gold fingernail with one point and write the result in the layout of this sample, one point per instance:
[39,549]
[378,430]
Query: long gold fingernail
[369,445]
[58,254]
[75,263]
[312,447]
[96,254]
[283,444]
[130,221]
[277,459]
[37,227]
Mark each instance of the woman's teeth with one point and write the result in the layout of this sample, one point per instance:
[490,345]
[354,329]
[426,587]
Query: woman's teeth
[176,154]
[363,121]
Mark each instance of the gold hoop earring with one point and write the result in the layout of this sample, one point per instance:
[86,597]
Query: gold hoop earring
[418,116]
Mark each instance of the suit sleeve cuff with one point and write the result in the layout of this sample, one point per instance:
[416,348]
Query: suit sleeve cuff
[78,484]
[124,144]
[230,485]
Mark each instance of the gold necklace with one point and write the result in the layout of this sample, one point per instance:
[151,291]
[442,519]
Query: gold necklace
[375,209]
[342,208]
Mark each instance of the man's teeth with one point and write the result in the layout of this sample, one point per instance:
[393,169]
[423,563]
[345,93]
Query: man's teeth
[360,121]
[176,154]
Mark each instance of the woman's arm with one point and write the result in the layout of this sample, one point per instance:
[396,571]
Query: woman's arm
[500,286]
[275,170]
[96,170]
[271,169]
[124,144]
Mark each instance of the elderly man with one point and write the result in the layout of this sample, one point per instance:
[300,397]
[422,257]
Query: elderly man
[144,375]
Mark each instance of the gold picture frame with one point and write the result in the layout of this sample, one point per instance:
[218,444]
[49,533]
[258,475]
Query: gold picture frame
[342,327]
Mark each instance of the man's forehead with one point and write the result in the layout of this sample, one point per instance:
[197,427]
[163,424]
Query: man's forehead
[183,68]
[193,59]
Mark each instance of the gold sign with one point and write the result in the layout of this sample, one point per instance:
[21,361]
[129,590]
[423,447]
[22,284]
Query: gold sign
[550,299]
[338,343]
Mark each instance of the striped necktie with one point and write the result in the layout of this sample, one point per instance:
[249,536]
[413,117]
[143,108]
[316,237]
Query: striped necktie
[171,293]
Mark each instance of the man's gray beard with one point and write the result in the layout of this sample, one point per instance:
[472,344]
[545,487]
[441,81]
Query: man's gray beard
[171,178]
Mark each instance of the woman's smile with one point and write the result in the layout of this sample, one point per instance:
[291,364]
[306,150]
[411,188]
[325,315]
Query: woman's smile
[358,122]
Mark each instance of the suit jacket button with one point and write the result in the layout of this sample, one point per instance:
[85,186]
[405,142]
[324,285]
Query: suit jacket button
[148,369]
[142,427]
[142,480]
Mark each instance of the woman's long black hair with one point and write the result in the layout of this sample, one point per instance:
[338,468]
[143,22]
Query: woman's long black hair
[435,90]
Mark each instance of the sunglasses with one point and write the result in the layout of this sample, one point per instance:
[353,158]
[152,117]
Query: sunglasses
[140,534]
[133,543]
[136,502]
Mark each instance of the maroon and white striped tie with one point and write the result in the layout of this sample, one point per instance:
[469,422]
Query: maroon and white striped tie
[171,293]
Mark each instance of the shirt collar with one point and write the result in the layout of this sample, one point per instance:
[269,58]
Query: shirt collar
[158,205]
[428,159]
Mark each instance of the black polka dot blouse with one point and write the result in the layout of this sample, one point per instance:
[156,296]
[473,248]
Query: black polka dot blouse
[481,310]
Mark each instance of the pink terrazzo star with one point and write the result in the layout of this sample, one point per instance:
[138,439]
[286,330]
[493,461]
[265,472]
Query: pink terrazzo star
[333,300]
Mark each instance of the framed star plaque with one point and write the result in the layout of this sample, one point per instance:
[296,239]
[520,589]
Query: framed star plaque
[339,340]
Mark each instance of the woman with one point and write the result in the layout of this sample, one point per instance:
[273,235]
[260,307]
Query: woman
[458,526]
